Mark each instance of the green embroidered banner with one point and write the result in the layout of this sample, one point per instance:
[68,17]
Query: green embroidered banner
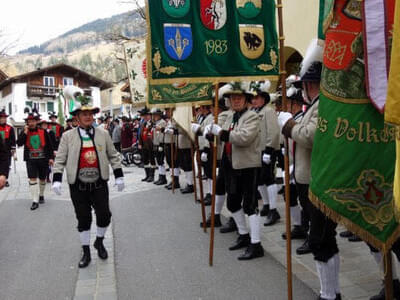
[167,94]
[211,40]
[353,158]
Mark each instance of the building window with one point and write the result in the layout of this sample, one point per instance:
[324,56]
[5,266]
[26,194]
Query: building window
[10,108]
[50,106]
[28,103]
[68,81]
[48,81]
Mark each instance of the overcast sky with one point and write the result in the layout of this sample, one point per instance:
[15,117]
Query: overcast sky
[34,22]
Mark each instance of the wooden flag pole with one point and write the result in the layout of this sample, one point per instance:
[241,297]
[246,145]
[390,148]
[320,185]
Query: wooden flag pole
[287,174]
[387,259]
[197,153]
[214,183]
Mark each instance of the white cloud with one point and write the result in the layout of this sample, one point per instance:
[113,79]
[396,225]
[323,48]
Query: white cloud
[34,22]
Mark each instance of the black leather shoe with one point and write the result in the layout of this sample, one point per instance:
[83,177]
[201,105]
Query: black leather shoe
[396,292]
[151,175]
[101,251]
[188,189]
[345,234]
[217,221]
[354,238]
[242,241]
[230,226]
[34,206]
[252,251]
[265,210]
[272,217]
[161,180]
[176,182]
[304,249]
[41,199]
[168,186]
[297,233]
[85,260]
[157,181]
[147,170]
[207,200]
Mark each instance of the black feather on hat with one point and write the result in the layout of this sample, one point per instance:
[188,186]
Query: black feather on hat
[3,114]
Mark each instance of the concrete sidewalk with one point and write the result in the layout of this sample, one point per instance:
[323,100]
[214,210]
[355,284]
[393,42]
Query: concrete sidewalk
[360,278]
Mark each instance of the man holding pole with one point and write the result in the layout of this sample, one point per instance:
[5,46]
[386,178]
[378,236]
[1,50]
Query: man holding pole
[241,163]
[321,241]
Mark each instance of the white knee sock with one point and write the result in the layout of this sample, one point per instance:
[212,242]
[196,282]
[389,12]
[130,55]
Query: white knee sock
[85,237]
[240,221]
[378,257]
[34,189]
[189,177]
[337,271]
[272,195]
[210,186]
[379,261]
[177,171]
[327,273]
[295,214]
[219,203]
[254,224]
[42,187]
[101,231]
[264,193]
[161,170]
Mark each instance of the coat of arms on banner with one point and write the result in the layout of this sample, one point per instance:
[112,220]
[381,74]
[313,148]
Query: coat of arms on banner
[178,40]
[176,8]
[213,13]
[249,8]
[252,42]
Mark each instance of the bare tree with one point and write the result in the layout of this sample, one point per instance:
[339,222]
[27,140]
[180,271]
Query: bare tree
[137,7]
[6,44]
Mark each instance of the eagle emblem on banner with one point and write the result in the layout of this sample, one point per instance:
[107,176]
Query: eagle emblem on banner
[213,13]
[176,8]
[249,8]
[178,40]
[252,42]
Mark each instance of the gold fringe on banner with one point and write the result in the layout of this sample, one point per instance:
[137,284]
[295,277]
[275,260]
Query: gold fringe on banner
[354,228]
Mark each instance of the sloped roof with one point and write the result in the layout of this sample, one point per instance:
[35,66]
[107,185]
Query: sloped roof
[3,76]
[92,79]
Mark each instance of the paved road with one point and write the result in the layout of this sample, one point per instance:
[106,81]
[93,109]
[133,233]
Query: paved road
[161,253]
[38,257]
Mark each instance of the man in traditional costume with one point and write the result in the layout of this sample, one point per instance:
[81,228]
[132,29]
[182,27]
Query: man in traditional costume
[56,128]
[241,163]
[8,134]
[158,144]
[86,153]
[270,136]
[38,155]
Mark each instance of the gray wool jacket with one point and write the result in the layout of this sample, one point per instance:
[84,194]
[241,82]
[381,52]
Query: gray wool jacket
[69,152]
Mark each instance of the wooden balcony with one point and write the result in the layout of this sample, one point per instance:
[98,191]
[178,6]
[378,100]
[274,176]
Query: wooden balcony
[41,91]
[48,91]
